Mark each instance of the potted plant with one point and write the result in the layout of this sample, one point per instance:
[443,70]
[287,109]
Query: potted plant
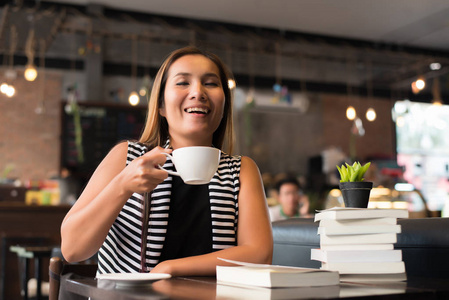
[354,189]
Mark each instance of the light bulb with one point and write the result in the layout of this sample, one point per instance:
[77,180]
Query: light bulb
[4,88]
[231,84]
[133,99]
[371,114]
[350,113]
[30,73]
[11,91]
[420,84]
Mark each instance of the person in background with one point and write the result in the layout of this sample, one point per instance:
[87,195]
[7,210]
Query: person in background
[292,201]
[189,226]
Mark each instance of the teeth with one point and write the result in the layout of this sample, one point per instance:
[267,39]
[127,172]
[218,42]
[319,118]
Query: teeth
[197,110]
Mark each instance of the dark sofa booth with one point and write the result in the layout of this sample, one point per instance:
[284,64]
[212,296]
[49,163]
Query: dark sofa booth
[424,244]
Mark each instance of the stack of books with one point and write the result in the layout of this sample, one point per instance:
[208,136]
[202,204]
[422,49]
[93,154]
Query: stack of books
[359,243]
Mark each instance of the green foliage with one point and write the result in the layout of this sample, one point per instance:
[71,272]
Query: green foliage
[353,173]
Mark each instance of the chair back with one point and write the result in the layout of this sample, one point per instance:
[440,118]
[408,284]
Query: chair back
[58,268]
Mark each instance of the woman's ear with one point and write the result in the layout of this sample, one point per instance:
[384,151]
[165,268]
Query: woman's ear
[162,111]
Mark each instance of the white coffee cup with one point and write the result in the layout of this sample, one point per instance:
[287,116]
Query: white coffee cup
[195,165]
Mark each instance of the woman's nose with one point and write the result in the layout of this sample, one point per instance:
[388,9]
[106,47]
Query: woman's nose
[197,92]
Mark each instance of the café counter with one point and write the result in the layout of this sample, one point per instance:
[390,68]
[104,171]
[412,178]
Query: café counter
[22,224]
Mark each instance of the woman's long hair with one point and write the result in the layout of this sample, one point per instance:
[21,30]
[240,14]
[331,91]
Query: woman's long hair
[156,133]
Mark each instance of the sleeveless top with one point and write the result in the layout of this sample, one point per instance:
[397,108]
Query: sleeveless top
[121,250]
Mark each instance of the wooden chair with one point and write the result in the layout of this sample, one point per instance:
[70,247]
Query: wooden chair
[58,268]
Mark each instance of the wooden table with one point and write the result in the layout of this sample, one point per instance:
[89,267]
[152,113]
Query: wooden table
[207,288]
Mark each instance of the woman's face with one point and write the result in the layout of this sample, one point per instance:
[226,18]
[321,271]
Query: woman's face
[193,101]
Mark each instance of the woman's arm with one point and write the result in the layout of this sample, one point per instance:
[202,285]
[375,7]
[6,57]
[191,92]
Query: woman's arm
[254,236]
[86,225]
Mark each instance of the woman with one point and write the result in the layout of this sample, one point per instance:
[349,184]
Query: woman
[189,226]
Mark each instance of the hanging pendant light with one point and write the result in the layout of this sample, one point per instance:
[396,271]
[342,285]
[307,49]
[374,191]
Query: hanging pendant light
[371,114]
[351,113]
[30,72]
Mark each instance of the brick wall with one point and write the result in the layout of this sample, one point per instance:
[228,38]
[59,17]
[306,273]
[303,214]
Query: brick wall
[379,138]
[28,140]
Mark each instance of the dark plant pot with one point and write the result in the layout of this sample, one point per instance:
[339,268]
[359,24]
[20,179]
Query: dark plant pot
[356,194]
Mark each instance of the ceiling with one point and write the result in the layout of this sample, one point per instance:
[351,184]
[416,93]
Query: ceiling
[417,23]
[344,44]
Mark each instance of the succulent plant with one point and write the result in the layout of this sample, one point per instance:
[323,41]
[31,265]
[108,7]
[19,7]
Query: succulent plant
[353,173]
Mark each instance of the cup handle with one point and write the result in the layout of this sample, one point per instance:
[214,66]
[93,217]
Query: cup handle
[168,171]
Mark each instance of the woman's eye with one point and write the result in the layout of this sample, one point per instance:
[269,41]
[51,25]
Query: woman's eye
[182,83]
[211,84]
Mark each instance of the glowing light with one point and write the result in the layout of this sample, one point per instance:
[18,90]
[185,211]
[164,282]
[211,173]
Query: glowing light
[350,113]
[30,73]
[143,92]
[420,84]
[133,99]
[231,84]
[435,66]
[11,91]
[4,87]
[371,114]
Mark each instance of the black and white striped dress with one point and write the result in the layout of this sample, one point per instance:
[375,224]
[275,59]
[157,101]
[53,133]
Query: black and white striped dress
[121,251]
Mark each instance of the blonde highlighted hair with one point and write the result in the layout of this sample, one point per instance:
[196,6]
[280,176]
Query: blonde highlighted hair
[156,133]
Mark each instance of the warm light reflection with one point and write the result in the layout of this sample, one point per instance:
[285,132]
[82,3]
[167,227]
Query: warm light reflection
[371,114]
[133,99]
[350,113]
[400,121]
[231,84]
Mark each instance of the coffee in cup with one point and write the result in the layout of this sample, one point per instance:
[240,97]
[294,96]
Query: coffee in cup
[195,165]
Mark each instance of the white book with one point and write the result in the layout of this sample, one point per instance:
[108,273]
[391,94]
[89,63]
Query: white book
[365,267]
[356,255]
[373,277]
[229,292]
[358,222]
[374,238]
[271,276]
[358,247]
[339,213]
[362,229]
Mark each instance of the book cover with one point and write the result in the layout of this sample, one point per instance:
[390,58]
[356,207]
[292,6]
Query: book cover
[365,267]
[271,276]
[374,238]
[338,213]
[361,229]
[356,255]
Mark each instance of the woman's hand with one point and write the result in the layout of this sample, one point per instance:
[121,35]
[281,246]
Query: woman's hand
[143,173]
[163,267]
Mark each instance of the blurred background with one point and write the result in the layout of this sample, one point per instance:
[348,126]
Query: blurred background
[317,83]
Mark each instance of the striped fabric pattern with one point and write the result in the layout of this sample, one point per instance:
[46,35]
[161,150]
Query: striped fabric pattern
[120,251]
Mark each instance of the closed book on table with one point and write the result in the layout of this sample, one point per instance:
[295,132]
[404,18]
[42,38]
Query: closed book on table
[270,276]
[351,247]
[373,277]
[338,213]
[358,222]
[229,292]
[361,229]
[365,267]
[356,255]
[375,238]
